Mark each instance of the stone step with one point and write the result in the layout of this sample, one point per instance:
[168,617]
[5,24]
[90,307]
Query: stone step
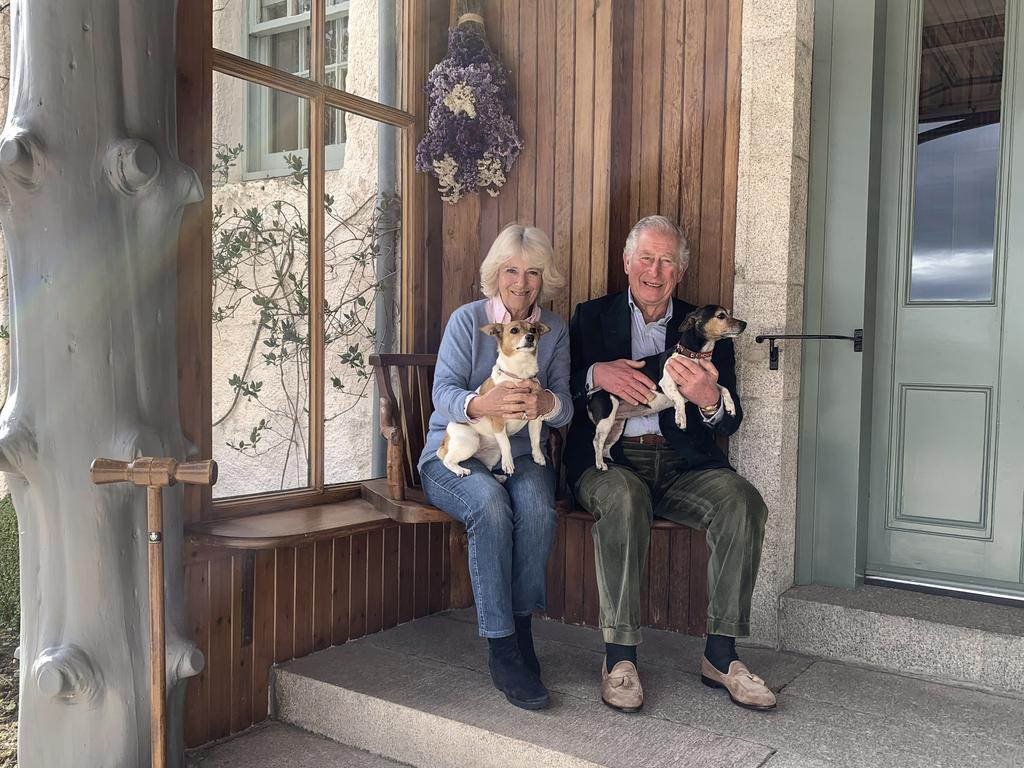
[276,745]
[935,636]
[420,694]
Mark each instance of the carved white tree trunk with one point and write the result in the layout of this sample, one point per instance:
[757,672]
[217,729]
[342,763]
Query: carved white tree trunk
[91,193]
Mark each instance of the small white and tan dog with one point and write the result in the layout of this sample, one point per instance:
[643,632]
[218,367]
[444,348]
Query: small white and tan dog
[487,439]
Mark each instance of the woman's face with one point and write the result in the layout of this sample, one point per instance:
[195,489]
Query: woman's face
[518,286]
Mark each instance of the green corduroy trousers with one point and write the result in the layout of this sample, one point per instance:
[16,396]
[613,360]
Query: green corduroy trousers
[625,502]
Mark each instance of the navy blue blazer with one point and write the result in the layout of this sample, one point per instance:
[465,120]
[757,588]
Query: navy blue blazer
[600,331]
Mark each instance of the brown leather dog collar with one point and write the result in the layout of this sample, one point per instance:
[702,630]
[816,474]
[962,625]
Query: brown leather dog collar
[691,354]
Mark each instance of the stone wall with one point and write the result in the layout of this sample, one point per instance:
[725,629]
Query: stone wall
[770,243]
[5,69]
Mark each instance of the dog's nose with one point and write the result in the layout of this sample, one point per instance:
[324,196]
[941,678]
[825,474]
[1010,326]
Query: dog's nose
[529,337]
[743,325]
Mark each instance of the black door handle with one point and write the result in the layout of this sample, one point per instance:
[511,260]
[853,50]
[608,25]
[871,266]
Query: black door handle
[773,351]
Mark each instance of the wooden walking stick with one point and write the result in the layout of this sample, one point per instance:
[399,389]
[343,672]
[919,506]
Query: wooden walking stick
[155,474]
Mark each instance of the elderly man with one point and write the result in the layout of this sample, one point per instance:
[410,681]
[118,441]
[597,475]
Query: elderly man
[660,470]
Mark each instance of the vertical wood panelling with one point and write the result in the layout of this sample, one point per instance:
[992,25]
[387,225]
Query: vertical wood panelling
[421,569]
[692,146]
[659,558]
[583,152]
[284,604]
[303,600]
[672,109]
[241,646]
[357,587]
[374,581]
[323,586]
[544,136]
[263,633]
[575,543]
[489,207]
[732,149]
[390,578]
[342,588]
[649,170]
[555,592]
[622,213]
[527,81]
[565,101]
[406,571]
[197,603]
[219,658]
[601,168]
[438,545]
[509,47]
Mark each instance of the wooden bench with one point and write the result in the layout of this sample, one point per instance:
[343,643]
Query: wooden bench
[675,578]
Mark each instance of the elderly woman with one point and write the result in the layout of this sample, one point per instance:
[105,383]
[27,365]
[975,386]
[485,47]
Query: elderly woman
[510,524]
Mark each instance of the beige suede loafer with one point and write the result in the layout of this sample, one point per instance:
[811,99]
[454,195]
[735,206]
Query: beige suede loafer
[744,688]
[620,688]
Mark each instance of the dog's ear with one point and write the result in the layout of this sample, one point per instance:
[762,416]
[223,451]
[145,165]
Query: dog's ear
[491,329]
[690,321]
[540,329]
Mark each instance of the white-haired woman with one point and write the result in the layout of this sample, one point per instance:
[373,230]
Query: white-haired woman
[510,525]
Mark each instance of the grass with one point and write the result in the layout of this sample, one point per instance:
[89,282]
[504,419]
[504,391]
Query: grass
[9,620]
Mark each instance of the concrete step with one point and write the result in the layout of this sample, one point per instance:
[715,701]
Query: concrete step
[420,694]
[276,745]
[935,636]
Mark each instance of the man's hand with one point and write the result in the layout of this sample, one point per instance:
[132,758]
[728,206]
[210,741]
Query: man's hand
[697,380]
[622,377]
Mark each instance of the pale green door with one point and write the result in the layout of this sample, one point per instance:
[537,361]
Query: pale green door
[946,496]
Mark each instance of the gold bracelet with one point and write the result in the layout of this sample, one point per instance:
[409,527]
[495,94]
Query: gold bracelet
[710,410]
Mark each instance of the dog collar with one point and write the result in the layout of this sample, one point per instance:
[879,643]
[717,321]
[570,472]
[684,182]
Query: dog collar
[691,354]
[510,375]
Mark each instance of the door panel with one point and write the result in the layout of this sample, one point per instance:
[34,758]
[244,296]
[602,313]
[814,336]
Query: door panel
[947,442]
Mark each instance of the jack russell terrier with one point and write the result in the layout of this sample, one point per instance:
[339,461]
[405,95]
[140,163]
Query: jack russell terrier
[487,439]
[700,330]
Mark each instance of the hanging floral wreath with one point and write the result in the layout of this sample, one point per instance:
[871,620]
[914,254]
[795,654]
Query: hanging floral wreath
[471,140]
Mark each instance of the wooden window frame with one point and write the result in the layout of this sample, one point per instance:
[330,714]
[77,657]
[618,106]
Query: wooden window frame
[195,76]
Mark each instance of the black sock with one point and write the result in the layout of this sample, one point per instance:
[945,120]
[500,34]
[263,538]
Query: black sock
[617,653]
[720,650]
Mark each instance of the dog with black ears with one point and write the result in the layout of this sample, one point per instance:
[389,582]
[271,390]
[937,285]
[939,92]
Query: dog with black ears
[700,329]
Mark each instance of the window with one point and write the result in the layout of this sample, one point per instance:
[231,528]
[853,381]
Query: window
[279,36]
[305,254]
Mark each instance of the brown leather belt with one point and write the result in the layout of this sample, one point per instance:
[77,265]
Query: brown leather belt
[646,440]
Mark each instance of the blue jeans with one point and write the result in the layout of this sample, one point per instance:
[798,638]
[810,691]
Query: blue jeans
[510,528]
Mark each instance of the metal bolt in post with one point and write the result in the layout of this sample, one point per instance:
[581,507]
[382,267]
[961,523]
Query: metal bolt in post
[155,474]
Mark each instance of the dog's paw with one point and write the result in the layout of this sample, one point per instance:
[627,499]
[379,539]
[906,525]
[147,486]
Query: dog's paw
[538,458]
[680,418]
[601,465]
[508,467]
[459,470]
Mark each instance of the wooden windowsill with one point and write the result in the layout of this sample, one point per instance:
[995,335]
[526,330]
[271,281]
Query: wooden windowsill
[286,528]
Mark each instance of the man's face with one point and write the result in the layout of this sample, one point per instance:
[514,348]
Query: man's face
[652,269]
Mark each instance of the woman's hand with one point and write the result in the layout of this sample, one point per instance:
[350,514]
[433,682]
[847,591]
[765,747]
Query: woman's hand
[512,399]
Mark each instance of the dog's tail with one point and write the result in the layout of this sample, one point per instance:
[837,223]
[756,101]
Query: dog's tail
[443,450]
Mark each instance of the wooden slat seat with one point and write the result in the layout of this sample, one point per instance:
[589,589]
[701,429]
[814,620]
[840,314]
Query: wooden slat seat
[288,528]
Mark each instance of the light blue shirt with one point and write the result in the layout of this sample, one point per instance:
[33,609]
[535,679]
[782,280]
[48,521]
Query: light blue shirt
[647,339]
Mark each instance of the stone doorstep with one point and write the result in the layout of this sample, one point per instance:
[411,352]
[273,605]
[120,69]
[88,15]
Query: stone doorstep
[420,694]
[933,636]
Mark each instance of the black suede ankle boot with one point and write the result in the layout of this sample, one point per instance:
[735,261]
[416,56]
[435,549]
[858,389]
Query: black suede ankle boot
[512,677]
[524,638]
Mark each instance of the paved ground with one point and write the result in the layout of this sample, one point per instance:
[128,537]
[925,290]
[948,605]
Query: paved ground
[829,714]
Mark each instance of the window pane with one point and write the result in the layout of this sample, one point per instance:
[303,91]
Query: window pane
[271,32]
[957,151]
[362,220]
[260,380]
[363,36]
